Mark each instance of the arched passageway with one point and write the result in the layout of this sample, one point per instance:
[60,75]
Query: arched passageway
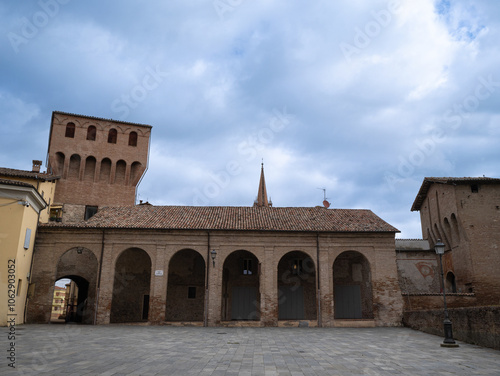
[131,286]
[352,286]
[186,287]
[241,287]
[70,302]
[79,265]
[296,287]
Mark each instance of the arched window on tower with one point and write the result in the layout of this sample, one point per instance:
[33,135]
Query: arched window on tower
[112,136]
[70,130]
[105,170]
[132,139]
[91,132]
[59,163]
[74,167]
[120,171]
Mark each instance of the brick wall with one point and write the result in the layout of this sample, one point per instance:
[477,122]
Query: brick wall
[418,272]
[95,168]
[476,325]
[159,248]
[467,221]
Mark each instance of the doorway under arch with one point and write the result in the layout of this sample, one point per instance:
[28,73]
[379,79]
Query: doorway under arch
[79,265]
[352,286]
[241,287]
[70,302]
[186,287]
[131,286]
[296,287]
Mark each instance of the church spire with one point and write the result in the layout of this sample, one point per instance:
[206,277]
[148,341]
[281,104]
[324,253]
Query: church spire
[262,194]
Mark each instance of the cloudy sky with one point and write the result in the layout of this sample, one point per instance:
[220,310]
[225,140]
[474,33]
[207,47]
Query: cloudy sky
[361,97]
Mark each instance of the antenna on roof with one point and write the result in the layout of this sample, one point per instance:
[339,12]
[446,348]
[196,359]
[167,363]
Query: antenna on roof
[326,204]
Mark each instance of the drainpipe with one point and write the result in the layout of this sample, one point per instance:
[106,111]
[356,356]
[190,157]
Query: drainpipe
[320,324]
[205,318]
[99,279]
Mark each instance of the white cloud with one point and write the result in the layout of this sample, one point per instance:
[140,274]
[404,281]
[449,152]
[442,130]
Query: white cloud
[352,120]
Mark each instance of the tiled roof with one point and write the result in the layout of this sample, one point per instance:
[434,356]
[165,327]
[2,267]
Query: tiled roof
[16,183]
[236,218]
[422,193]
[4,171]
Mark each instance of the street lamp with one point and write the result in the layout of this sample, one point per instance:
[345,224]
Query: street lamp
[448,331]
[213,253]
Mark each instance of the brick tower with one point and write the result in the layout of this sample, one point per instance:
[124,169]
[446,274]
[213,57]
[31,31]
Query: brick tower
[100,161]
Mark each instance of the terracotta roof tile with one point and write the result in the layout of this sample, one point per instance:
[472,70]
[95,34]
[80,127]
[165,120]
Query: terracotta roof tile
[235,218]
[16,183]
[4,171]
[426,184]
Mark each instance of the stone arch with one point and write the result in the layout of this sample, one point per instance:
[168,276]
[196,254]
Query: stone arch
[131,286]
[451,285]
[352,286]
[297,287]
[90,165]
[241,286]
[186,287]
[120,172]
[80,265]
[74,167]
[105,173]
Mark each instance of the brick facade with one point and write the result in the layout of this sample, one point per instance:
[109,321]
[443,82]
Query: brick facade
[158,263]
[100,161]
[274,266]
[465,214]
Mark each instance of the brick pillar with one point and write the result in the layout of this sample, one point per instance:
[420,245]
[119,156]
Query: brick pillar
[215,288]
[43,277]
[326,294]
[158,295]
[106,288]
[269,289]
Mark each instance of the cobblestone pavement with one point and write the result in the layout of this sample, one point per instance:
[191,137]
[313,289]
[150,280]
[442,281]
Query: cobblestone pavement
[161,350]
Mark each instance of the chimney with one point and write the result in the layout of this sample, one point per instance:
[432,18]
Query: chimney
[36,166]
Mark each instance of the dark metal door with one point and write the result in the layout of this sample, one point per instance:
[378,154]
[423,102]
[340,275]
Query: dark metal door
[244,305]
[291,303]
[348,302]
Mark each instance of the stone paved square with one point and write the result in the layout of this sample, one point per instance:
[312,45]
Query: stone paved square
[163,350]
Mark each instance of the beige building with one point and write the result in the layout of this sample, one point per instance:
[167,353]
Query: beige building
[21,207]
[58,304]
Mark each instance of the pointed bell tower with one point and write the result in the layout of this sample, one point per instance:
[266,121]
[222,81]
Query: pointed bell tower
[262,200]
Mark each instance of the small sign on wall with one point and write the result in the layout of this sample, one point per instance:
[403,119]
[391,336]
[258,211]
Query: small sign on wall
[27,238]
[158,273]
